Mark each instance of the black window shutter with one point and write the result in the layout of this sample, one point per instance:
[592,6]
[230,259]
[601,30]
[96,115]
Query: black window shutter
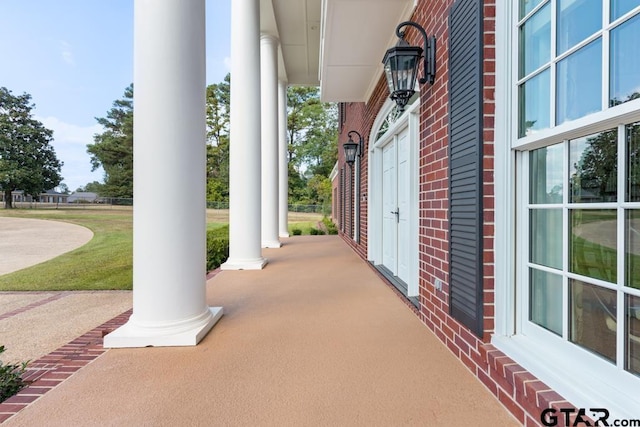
[465,163]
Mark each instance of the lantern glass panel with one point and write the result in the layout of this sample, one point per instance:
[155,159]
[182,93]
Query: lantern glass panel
[350,152]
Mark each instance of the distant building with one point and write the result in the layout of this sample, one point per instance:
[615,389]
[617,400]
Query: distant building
[49,196]
[52,196]
[83,197]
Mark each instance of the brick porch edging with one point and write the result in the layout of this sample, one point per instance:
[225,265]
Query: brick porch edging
[51,370]
[524,395]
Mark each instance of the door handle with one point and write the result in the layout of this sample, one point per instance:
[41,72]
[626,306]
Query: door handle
[397,214]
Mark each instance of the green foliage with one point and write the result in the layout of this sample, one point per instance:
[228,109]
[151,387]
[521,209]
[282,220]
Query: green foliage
[217,247]
[11,381]
[92,187]
[313,135]
[28,161]
[596,170]
[296,232]
[314,231]
[304,227]
[330,226]
[63,188]
[113,148]
[218,112]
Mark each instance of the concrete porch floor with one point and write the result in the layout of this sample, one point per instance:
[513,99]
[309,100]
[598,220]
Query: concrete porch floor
[316,338]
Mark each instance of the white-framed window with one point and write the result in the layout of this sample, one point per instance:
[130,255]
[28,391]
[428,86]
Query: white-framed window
[575,58]
[582,262]
[569,308]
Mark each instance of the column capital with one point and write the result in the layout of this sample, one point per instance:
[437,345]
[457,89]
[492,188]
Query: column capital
[269,38]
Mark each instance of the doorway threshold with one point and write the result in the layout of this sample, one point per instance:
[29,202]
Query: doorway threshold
[398,283]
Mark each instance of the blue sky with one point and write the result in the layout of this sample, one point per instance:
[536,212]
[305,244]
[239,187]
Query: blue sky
[75,57]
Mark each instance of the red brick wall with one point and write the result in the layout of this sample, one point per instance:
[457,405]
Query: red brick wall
[360,117]
[518,390]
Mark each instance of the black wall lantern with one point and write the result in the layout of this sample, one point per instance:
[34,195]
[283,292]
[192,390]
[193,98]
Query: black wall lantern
[352,149]
[401,64]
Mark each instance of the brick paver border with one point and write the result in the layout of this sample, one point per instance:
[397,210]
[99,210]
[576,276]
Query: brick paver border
[51,370]
[33,305]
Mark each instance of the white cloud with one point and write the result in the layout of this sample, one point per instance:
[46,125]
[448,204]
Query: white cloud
[70,132]
[70,142]
[67,54]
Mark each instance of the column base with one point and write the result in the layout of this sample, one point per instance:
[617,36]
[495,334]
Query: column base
[188,334]
[271,244]
[284,235]
[244,264]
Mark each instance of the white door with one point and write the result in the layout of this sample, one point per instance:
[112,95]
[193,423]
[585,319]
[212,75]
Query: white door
[389,206]
[396,206]
[403,191]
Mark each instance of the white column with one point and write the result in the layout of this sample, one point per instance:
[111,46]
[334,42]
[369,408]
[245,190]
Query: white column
[245,251]
[169,236]
[269,84]
[283,163]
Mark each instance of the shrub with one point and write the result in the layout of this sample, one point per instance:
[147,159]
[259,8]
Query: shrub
[331,227]
[296,231]
[217,247]
[11,380]
[313,231]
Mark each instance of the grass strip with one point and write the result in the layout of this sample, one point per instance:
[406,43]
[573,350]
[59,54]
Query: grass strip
[106,261]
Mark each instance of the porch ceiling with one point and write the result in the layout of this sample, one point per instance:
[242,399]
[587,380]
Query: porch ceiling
[334,44]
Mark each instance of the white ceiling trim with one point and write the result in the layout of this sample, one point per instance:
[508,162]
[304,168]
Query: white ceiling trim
[355,35]
[335,44]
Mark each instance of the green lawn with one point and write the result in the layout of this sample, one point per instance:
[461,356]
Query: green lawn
[103,263]
[106,261]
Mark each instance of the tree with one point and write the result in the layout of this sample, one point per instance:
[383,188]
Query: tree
[113,148]
[92,187]
[596,171]
[28,162]
[218,112]
[63,188]
[313,135]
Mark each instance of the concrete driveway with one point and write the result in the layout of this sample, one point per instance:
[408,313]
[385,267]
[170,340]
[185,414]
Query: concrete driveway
[25,242]
[32,324]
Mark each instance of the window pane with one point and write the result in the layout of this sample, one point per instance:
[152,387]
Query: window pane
[527,6]
[632,248]
[579,78]
[546,237]
[592,248]
[534,104]
[625,63]
[545,300]
[535,41]
[633,335]
[633,162]
[620,7]
[546,175]
[593,318]
[577,20]
[593,168]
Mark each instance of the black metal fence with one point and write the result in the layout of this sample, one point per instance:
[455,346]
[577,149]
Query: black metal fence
[112,202]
